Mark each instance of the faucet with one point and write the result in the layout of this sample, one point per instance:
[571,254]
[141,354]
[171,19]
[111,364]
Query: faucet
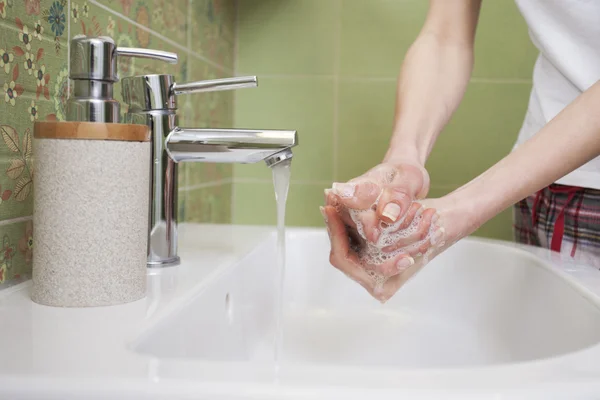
[152,100]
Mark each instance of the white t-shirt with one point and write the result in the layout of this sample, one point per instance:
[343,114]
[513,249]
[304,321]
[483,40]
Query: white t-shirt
[567,33]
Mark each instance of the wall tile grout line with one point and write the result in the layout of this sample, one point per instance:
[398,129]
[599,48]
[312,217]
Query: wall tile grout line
[69,49]
[16,220]
[357,78]
[289,76]
[158,35]
[236,51]
[336,86]
[189,26]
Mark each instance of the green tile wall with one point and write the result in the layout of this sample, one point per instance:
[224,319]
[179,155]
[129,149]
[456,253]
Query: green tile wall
[328,68]
[34,37]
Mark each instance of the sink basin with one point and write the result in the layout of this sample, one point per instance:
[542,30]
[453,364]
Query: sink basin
[481,311]
[485,320]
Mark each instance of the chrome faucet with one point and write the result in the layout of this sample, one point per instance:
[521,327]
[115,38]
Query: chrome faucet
[152,100]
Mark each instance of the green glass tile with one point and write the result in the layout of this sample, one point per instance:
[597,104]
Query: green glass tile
[254,204]
[212,30]
[366,111]
[16,253]
[298,36]
[482,131]
[209,205]
[207,110]
[503,48]
[376,34]
[181,203]
[302,104]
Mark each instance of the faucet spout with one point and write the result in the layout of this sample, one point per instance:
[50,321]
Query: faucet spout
[229,145]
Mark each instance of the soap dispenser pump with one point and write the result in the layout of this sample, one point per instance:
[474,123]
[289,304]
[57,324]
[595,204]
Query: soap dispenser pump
[91,196]
[93,62]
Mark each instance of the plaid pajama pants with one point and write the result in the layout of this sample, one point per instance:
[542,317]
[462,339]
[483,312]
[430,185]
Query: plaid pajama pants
[561,218]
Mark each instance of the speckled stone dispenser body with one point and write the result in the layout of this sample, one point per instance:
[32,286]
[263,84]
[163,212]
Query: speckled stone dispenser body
[90,221]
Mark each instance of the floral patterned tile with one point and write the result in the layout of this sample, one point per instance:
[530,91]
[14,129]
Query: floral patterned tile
[213,27]
[16,156]
[166,17]
[39,18]
[34,86]
[99,22]
[209,205]
[16,252]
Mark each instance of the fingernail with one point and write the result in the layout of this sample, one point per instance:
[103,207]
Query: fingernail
[435,218]
[437,235]
[392,211]
[327,191]
[323,213]
[344,189]
[405,263]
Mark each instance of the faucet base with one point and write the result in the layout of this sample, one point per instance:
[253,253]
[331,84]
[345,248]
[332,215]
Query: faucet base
[171,262]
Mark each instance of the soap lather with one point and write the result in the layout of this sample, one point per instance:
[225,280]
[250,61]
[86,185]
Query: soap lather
[91,193]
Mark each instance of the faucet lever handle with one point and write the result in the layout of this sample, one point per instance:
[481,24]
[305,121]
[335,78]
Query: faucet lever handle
[214,85]
[160,55]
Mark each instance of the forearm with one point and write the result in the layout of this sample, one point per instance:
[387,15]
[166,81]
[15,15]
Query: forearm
[570,140]
[431,85]
[433,78]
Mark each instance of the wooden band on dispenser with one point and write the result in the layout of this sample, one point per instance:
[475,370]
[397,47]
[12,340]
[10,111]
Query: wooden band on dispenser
[91,131]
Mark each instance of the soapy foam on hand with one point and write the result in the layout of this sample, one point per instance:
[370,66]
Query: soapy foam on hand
[373,254]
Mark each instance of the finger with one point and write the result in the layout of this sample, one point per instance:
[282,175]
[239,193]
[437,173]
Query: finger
[341,255]
[358,195]
[393,284]
[369,227]
[394,266]
[415,210]
[413,178]
[333,200]
[403,239]
[393,204]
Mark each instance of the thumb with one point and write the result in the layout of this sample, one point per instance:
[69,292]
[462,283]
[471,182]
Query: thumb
[393,204]
[358,195]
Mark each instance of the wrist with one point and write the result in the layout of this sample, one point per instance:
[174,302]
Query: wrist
[467,209]
[399,153]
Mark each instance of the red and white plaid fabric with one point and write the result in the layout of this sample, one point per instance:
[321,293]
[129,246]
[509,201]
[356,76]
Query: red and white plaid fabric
[562,218]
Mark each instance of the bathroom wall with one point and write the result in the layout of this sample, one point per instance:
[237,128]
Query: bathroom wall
[33,77]
[328,68]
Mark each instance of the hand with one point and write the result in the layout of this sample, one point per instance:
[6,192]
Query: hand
[393,187]
[384,280]
[384,196]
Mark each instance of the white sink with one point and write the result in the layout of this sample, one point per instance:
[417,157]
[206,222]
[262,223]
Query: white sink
[486,320]
[482,315]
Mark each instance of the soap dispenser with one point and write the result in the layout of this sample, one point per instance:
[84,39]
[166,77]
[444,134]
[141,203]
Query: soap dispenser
[91,193]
